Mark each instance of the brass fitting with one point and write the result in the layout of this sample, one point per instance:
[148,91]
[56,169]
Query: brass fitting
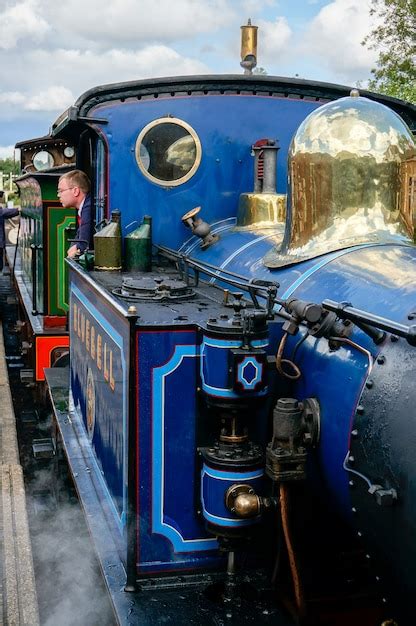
[245,503]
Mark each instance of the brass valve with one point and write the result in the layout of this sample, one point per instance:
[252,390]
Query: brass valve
[243,501]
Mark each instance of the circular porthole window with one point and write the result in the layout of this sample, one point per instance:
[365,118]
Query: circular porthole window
[168,151]
[43,160]
[69,152]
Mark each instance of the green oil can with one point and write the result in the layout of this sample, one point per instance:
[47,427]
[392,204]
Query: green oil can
[138,247]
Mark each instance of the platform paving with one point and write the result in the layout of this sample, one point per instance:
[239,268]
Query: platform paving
[18,600]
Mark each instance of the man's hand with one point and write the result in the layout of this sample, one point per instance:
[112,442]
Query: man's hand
[73,252]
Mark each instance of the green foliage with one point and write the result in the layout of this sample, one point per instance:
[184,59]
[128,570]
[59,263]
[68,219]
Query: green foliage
[395,39]
[8,166]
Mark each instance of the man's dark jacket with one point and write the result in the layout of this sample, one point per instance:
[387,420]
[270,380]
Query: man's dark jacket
[84,231]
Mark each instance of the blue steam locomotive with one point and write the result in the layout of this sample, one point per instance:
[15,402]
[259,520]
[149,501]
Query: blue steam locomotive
[258,338]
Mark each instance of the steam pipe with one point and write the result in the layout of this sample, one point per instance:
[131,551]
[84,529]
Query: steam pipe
[240,282]
[359,317]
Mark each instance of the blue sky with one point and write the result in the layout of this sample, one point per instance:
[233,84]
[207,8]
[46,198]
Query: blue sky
[51,52]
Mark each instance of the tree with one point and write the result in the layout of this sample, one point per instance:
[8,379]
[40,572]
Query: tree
[395,39]
[9,165]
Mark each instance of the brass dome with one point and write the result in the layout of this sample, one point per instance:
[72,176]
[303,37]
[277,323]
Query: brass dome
[346,181]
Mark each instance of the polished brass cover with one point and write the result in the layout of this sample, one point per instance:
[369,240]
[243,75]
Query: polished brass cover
[345,167]
[242,501]
[261,211]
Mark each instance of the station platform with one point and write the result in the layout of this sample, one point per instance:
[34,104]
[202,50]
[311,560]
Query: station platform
[18,599]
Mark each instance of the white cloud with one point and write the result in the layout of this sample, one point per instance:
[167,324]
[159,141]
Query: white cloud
[253,7]
[84,69]
[274,40]
[12,98]
[57,79]
[56,98]
[134,22]
[53,51]
[334,36]
[20,23]
[7,152]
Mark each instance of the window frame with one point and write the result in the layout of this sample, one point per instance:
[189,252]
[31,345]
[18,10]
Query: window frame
[198,156]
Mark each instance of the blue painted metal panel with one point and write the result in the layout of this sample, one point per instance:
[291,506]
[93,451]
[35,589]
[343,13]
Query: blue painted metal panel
[374,278]
[171,533]
[226,168]
[99,385]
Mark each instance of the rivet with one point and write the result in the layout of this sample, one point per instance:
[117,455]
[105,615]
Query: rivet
[354,433]
[381,359]
[359,533]
[369,384]
[367,556]
[353,509]
[394,338]
[360,409]
[351,483]
[351,459]
[411,316]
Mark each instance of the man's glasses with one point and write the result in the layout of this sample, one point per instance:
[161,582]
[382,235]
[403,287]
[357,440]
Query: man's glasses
[60,191]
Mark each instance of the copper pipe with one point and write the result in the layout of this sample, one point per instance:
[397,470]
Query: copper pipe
[351,343]
[294,568]
[279,362]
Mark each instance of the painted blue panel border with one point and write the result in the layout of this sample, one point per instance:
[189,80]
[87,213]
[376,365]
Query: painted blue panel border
[118,340]
[159,525]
